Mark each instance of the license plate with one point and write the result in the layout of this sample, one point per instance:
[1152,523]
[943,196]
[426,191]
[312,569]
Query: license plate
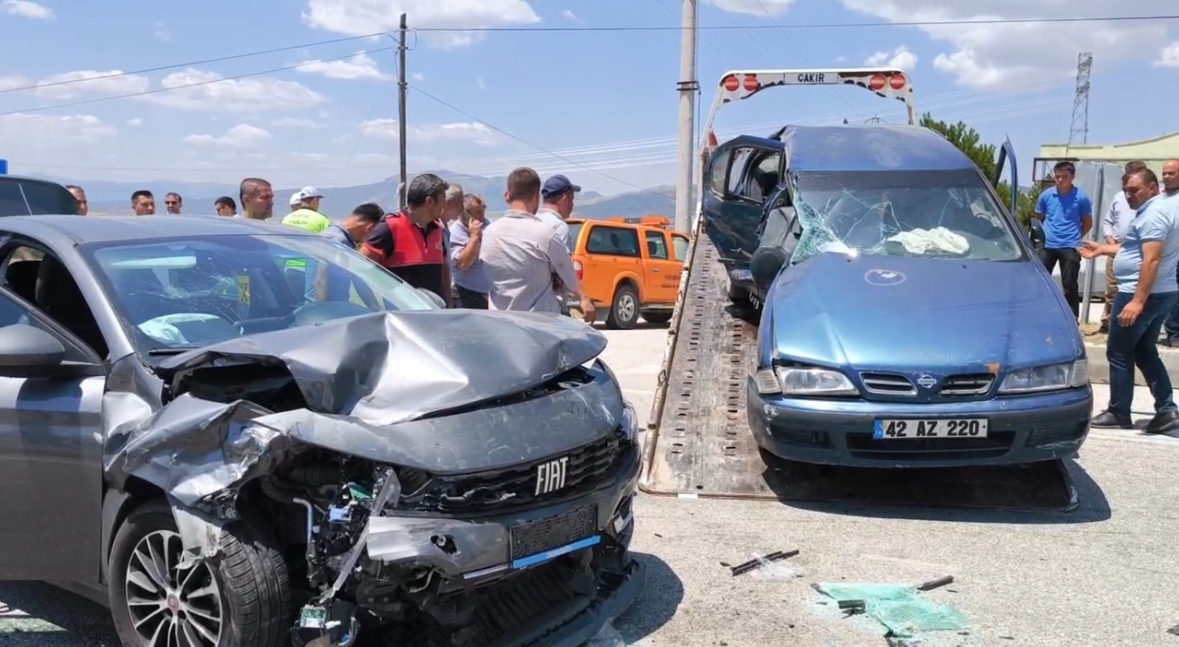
[939,428]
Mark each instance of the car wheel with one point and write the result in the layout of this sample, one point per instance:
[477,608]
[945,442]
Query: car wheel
[241,598]
[660,317]
[624,311]
[738,296]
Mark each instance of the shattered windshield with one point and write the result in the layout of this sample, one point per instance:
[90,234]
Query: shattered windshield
[928,214]
[183,293]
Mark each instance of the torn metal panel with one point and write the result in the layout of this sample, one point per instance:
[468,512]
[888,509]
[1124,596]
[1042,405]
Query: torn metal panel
[386,368]
[200,534]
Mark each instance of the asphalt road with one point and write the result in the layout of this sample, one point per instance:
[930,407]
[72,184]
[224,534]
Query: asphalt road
[1103,575]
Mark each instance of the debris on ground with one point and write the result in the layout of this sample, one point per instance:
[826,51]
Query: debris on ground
[936,584]
[899,608]
[1174,631]
[760,562]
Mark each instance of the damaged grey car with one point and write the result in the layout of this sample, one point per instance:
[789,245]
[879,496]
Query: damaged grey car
[239,434]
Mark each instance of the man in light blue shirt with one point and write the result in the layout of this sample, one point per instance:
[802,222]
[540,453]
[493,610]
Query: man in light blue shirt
[1067,214]
[1170,191]
[1147,292]
[466,238]
[1114,223]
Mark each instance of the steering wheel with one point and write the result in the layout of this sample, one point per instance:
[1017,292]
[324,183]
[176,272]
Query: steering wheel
[314,313]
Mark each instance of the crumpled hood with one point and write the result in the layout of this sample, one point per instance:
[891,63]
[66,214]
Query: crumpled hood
[386,368]
[875,312]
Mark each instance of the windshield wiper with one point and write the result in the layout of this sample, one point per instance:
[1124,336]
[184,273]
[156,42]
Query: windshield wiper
[164,352]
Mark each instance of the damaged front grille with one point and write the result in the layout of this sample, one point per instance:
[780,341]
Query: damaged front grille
[580,471]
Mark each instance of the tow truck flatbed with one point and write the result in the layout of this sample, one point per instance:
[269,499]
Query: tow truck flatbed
[698,441]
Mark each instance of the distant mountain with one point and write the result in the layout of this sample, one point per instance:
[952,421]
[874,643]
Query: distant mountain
[115,197]
[658,201]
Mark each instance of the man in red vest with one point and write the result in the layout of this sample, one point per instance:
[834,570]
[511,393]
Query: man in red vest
[410,243]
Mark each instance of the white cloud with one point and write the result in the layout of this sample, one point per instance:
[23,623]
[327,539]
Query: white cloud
[569,15]
[416,76]
[161,34]
[1169,57]
[361,66]
[293,122]
[1001,55]
[360,17]
[467,132]
[213,93]
[900,58]
[240,136]
[754,7]
[79,82]
[135,123]
[26,9]
[13,82]
[32,133]
[479,83]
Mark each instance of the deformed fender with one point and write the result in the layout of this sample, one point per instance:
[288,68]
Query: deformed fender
[200,534]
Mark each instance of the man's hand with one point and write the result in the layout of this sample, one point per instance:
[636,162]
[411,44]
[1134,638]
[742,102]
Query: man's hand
[588,312]
[1130,313]
[1109,240]
[475,226]
[1091,249]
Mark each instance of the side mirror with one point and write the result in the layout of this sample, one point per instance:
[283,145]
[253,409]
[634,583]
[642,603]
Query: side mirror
[23,346]
[434,298]
[766,263]
[1036,233]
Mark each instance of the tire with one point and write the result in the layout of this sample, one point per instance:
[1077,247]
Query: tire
[738,296]
[657,317]
[251,596]
[624,310]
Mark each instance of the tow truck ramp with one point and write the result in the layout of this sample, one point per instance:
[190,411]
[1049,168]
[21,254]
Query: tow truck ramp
[698,440]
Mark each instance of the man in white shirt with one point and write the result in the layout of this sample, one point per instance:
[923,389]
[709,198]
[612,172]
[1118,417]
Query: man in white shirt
[558,193]
[1114,223]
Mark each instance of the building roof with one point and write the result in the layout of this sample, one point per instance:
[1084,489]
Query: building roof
[870,147]
[108,229]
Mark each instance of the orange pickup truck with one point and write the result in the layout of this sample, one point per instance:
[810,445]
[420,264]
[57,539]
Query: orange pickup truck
[629,266]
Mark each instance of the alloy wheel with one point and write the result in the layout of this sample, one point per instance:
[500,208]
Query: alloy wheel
[626,307]
[171,607]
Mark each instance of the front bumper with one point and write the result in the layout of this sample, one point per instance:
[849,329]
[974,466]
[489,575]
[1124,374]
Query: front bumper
[548,576]
[1023,429]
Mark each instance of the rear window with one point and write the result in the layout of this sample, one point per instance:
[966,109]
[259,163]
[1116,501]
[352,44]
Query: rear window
[574,232]
[20,197]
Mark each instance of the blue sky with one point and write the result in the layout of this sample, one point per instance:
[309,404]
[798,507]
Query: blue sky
[600,106]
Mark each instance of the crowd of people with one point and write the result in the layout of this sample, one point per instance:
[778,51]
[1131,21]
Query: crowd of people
[1140,236]
[440,238]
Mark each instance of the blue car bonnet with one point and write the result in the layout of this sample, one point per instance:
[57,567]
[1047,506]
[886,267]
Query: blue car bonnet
[878,312]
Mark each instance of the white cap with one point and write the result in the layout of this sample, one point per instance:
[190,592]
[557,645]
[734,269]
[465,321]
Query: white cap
[296,198]
[310,192]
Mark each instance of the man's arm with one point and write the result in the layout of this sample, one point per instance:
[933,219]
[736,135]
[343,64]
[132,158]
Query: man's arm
[561,265]
[1041,206]
[1086,206]
[1108,223]
[1153,231]
[380,243]
[465,251]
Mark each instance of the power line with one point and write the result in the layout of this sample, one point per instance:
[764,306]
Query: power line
[830,25]
[206,61]
[236,77]
[528,143]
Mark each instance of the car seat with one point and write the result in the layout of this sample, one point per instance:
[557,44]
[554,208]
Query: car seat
[58,295]
[21,278]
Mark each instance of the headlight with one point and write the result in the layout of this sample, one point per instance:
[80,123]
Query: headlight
[1054,377]
[803,381]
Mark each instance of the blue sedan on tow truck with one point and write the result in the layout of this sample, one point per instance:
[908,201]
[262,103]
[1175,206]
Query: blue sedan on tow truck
[906,320]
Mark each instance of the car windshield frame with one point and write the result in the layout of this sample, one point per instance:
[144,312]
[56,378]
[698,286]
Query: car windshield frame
[104,259]
[818,194]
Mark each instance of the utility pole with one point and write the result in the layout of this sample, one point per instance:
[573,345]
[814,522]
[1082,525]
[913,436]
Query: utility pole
[402,89]
[687,87]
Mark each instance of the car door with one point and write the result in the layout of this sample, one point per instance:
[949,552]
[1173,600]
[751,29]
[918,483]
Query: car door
[661,273]
[50,456]
[680,245]
[1007,159]
[613,254]
[742,173]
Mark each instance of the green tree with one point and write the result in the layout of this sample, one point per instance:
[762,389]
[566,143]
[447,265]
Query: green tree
[985,158]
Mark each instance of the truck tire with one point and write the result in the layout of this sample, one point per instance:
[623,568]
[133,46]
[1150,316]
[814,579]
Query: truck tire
[624,310]
[241,598]
[660,317]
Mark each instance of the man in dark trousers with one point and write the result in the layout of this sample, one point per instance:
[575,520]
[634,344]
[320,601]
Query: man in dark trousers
[1067,214]
[410,243]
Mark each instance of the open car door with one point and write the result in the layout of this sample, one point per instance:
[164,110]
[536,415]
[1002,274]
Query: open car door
[741,174]
[1007,162]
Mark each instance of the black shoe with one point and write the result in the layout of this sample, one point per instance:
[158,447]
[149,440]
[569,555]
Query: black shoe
[1163,422]
[1110,420]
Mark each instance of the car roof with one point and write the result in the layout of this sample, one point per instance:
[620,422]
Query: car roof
[113,229]
[870,147]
